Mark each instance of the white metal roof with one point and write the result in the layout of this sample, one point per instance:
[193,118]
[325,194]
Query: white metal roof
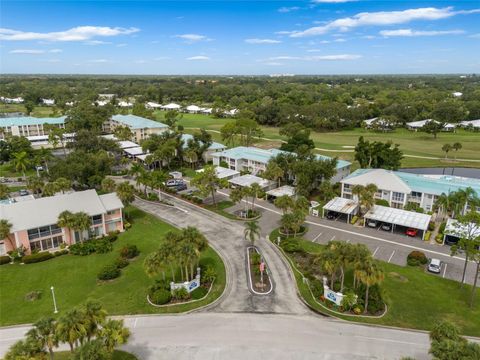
[127,144]
[142,156]
[248,180]
[341,205]
[223,173]
[400,217]
[193,108]
[383,179]
[455,229]
[419,124]
[171,106]
[282,191]
[134,151]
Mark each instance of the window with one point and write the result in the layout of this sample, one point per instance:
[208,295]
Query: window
[97,219]
[46,244]
[398,197]
[416,194]
[111,212]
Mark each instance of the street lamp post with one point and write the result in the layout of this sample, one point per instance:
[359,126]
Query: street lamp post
[54,301]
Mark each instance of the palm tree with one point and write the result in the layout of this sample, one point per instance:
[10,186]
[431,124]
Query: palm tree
[135,170]
[50,189]
[446,148]
[6,230]
[328,264]
[4,191]
[254,190]
[71,328]
[34,184]
[108,185]
[365,196]
[237,194]
[95,316]
[126,193]
[113,333]
[274,172]
[456,146]
[358,256]
[191,156]
[44,331]
[284,203]
[252,231]
[63,184]
[443,204]
[370,274]
[45,155]
[81,222]
[21,161]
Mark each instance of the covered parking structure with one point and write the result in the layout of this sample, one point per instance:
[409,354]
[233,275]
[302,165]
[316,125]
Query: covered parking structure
[454,231]
[224,173]
[133,152]
[285,190]
[248,180]
[341,205]
[398,217]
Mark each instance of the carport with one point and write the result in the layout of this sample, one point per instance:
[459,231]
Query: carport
[134,151]
[285,190]
[341,205]
[399,217]
[248,180]
[457,231]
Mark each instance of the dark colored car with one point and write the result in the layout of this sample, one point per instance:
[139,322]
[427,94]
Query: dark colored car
[180,187]
[174,182]
[330,216]
[23,192]
[386,227]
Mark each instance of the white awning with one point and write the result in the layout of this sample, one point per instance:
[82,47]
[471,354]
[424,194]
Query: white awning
[341,205]
[134,151]
[282,191]
[248,180]
[224,173]
[400,217]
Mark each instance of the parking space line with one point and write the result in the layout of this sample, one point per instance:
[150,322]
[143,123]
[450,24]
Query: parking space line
[391,256]
[316,237]
[378,247]
[333,238]
[444,270]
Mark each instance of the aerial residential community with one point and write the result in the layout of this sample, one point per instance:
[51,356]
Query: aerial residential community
[240,179]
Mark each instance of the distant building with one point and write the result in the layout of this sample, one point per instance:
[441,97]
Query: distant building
[417,125]
[171,106]
[141,128]
[6,100]
[34,222]
[399,188]
[28,126]
[48,102]
[152,105]
[215,147]
[473,124]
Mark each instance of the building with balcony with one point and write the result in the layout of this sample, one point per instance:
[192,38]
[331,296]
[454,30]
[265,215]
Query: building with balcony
[255,160]
[140,127]
[34,222]
[28,126]
[400,188]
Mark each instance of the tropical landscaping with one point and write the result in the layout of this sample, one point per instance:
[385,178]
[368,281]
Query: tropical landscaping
[28,286]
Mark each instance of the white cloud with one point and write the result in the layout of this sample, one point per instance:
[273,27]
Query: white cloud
[97,42]
[284,32]
[27,51]
[98,61]
[199,57]
[381,18]
[55,51]
[411,33]
[79,33]
[262,41]
[285,9]
[339,57]
[192,38]
[273,63]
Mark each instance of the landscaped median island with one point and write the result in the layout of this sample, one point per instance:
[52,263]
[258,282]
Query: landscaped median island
[75,277]
[413,298]
[258,277]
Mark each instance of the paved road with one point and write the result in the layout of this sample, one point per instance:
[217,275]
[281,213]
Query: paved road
[227,239]
[264,336]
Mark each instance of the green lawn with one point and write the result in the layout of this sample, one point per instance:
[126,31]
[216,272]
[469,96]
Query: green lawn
[117,355]
[74,279]
[8,170]
[415,298]
[38,111]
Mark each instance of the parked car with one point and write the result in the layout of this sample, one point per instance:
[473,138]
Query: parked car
[411,232]
[386,227]
[330,215]
[434,266]
[180,187]
[23,192]
[174,182]
[371,223]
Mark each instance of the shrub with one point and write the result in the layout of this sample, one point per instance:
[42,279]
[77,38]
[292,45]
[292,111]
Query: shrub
[4,260]
[291,245]
[39,257]
[199,293]
[427,235]
[112,237]
[317,288]
[431,226]
[209,275]
[354,220]
[443,225]
[127,225]
[60,253]
[255,258]
[439,239]
[416,258]
[160,297]
[83,248]
[382,202]
[152,197]
[109,272]
[157,285]
[129,251]
[181,294]
[358,309]
[102,246]
[120,263]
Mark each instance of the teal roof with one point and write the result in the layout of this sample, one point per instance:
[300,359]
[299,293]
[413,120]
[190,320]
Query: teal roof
[430,184]
[29,120]
[340,163]
[138,122]
[214,146]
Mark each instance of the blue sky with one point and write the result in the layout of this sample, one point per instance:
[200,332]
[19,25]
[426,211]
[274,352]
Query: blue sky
[240,37]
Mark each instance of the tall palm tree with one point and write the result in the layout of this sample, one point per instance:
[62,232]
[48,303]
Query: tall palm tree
[191,156]
[113,333]
[328,264]
[284,203]
[126,193]
[108,185]
[81,222]
[71,328]
[44,331]
[456,146]
[251,231]
[274,172]
[237,194]
[446,148]
[63,184]
[45,155]
[135,170]
[35,184]
[6,230]
[358,256]
[21,161]
[50,189]
[254,190]
[370,274]
[95,316]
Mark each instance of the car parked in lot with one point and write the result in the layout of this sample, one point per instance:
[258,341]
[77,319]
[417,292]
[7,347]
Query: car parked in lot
[23,192]
[180,187]
[434,266]
[174,182]
[371,223]
[411,232]
[386,226]
[330,215]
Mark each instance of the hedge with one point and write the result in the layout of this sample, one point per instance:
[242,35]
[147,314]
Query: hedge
[416,258]
[427,235]
[129,251]
[4,260]
[354,220]
[38,257]
[160,297]
[109,272]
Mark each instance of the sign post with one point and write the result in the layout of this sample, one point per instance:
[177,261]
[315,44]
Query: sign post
[262,269]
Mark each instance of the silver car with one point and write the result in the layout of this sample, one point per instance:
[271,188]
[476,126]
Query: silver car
[434,266]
